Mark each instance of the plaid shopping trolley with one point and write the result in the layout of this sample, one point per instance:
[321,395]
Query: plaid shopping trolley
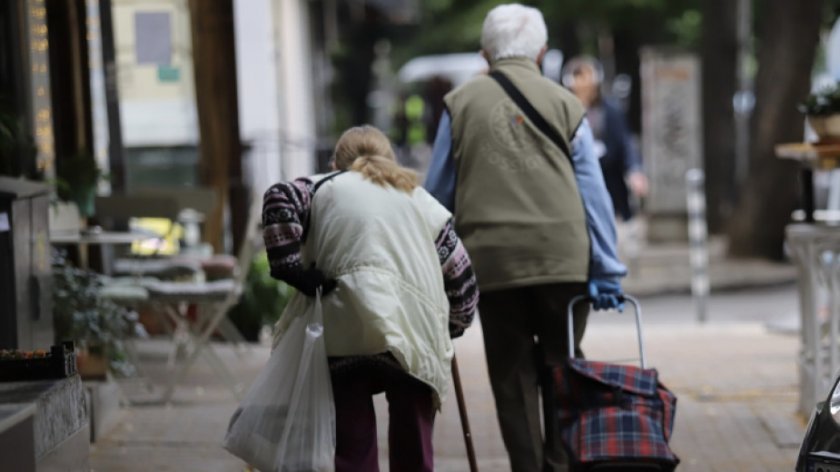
[613,417]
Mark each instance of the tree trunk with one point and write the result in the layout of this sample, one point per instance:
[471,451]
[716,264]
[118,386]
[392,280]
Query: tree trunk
[628,61]
[719,51]
[218,117]
[70,87]
[116,156]
[788,42]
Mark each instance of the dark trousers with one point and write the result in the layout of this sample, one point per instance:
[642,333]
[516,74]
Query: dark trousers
[525,330]
[411,415]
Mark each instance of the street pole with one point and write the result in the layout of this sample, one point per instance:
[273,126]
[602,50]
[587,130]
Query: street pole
[698,241]
[743,101]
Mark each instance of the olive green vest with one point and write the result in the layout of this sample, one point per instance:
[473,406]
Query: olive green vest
[517,205]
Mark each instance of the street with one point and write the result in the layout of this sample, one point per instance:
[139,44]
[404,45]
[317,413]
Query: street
[735,381]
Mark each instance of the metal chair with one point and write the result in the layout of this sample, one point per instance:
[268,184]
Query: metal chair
[213,299]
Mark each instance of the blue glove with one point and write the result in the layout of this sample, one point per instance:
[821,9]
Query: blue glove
[606,294]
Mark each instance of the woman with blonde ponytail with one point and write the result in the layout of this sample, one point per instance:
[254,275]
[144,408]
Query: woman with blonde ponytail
[366,150]
[398,287]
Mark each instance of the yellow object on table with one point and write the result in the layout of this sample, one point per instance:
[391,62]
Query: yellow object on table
[168,234]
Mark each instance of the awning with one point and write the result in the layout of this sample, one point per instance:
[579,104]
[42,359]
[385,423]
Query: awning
[457,68]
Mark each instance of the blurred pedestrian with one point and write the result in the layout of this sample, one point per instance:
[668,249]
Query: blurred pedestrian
[536,219]
[620,161]
[403,286]
[433,92]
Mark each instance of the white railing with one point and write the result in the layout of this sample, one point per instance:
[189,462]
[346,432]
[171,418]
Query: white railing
[816,250]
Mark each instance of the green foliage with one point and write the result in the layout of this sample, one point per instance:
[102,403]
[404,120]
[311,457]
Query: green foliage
[262,302]
[14,142]
[446,26]
[617,13]
[686,28]
[831,14]
[823,102]
[436,6]
[78,177]
[82,316]
[8,126]
[455,26]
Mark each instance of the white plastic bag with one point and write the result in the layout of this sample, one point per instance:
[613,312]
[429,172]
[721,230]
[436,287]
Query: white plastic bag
[286,422]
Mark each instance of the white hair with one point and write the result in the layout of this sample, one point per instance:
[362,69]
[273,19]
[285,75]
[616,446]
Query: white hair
[513,30]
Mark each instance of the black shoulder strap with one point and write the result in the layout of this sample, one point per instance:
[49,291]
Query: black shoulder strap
[312,196]
[531,112]
[326,179]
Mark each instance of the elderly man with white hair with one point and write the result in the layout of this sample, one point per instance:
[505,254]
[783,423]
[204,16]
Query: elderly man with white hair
[514,159]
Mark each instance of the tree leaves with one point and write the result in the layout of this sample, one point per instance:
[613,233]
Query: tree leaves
[455,26]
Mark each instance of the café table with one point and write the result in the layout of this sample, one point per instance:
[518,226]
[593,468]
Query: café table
[85,238]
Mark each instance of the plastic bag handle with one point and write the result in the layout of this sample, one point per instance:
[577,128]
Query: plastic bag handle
[318,311]
[637,310]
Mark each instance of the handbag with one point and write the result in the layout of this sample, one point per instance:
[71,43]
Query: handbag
[286,421]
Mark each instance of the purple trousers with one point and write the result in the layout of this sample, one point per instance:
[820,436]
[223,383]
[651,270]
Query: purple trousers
[411,415]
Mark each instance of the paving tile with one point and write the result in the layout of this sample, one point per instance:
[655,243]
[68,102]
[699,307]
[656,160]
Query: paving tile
[736,383]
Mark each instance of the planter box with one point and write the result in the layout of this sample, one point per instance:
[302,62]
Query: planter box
[827,127]
[92,366]
[59,363]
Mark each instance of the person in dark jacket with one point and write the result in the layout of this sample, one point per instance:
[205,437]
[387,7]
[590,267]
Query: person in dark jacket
[620,162]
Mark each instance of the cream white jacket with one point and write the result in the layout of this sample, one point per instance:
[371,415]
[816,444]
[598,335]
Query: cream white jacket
[379,244]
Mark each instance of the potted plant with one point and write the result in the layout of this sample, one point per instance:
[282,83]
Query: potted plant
[98,326]
[78,178]
[8,144]
[14,143]
[822,109]
[262,302]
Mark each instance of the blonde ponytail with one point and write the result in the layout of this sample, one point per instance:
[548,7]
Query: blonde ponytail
[366,150]
[383,171]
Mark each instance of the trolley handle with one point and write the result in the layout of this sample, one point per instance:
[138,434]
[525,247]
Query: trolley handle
[637,310]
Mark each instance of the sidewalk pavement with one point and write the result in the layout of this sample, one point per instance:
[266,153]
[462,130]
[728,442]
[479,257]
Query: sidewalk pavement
[665,268]
[735,380]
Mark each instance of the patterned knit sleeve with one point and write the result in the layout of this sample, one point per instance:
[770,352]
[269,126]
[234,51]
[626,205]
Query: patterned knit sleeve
[458,280]
[285,213]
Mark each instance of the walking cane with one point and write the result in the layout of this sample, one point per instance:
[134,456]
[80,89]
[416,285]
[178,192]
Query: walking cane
[465,421]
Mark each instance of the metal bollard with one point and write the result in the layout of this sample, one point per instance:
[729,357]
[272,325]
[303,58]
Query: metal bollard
[698,240]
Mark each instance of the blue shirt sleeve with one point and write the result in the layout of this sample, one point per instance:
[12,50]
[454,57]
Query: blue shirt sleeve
[440,180]
[600,217]
[632,161]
